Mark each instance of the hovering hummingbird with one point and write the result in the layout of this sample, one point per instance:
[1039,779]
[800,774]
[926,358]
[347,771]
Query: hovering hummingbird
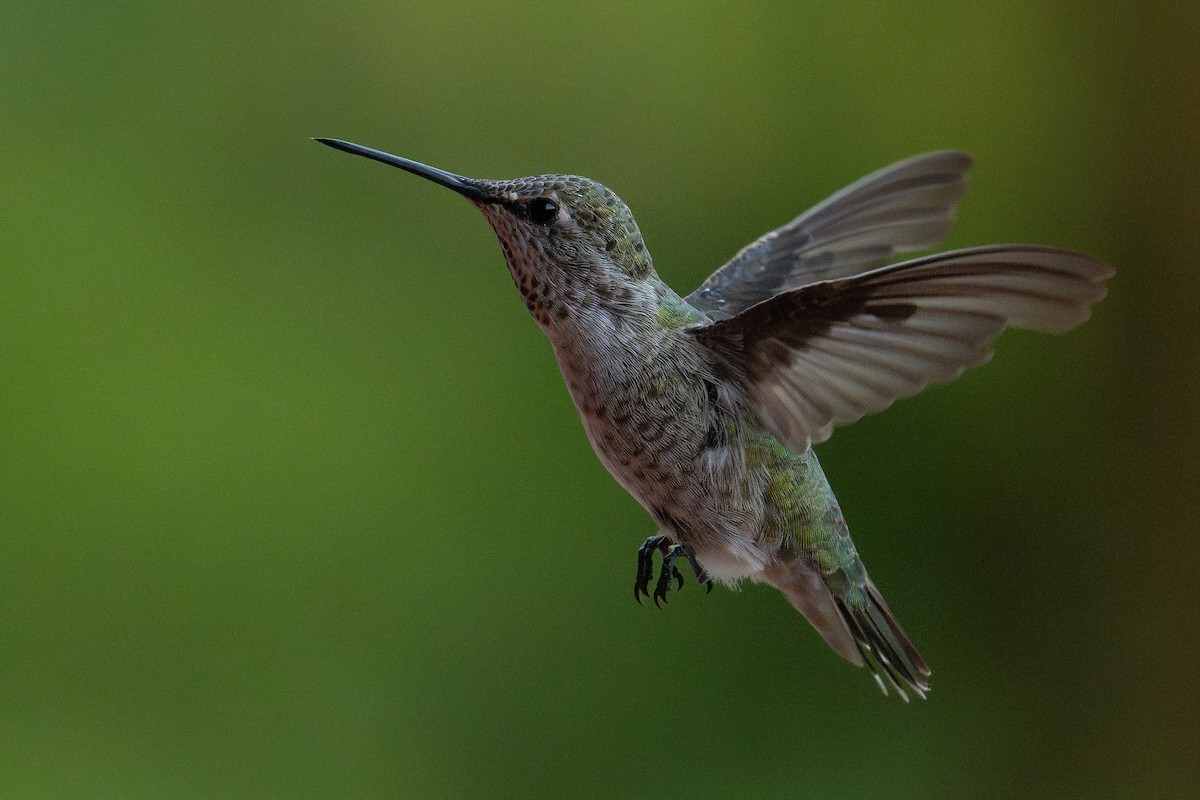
[705,407]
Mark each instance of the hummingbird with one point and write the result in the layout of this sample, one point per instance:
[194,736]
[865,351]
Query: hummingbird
[705,407]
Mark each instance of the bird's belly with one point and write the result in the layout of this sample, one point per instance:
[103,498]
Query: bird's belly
[646,456]
[651,414]
[698,495]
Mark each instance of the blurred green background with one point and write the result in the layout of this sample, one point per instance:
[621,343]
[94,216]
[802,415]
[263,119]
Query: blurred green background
[292,500]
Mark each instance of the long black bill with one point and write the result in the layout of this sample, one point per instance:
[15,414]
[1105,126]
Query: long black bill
[464,186]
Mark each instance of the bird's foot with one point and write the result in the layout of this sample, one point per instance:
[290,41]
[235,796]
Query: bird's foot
[645,567]
[668,572]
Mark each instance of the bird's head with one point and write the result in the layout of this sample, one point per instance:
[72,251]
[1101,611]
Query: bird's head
[571,244]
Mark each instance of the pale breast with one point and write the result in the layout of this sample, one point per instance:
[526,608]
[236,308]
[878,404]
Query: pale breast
[668,433]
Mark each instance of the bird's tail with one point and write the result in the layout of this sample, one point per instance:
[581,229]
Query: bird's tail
[863,633]
[884,646]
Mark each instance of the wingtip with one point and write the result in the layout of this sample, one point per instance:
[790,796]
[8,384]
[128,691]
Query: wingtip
[950,161]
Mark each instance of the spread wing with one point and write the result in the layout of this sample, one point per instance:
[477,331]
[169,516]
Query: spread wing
[829,353]
[907,206]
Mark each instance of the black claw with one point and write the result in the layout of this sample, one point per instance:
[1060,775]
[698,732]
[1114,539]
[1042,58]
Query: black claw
[668,572]
[663,586]
[642,580]
[701,575]
[645,569]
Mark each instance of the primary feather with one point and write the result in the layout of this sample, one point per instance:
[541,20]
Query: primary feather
[903,207]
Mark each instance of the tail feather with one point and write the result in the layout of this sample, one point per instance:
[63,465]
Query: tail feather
[865,635]
[803,587]
[884,646]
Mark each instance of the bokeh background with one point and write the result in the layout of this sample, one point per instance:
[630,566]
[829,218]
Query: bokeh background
[292,500]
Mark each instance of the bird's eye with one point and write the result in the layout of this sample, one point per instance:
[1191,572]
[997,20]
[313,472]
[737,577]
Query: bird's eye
[543,210]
